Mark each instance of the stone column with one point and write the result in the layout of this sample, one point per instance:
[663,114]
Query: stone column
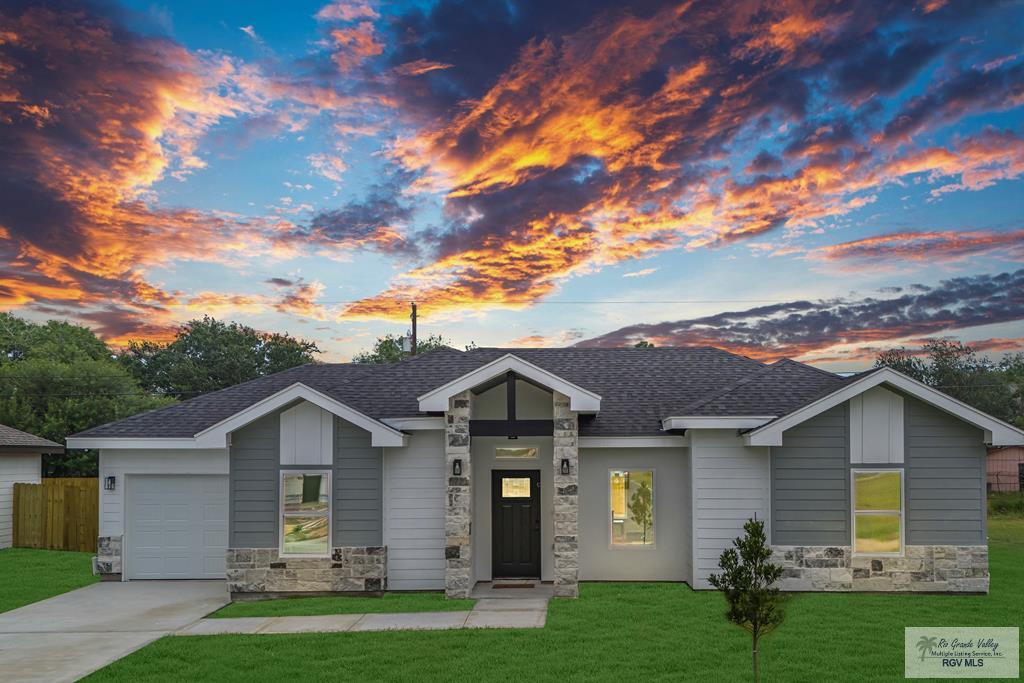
[458,511]
[566,492]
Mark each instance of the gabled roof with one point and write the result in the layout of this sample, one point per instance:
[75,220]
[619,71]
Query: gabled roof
[580,399]
[635,387]
[996,431]
[15,439]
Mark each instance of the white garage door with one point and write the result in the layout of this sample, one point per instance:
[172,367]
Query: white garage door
[177,526]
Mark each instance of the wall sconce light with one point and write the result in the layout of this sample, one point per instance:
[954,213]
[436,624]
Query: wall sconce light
[456,468]
[109,483]
[565,465]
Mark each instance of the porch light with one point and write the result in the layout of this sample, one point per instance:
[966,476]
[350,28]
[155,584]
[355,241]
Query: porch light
[109,483]
[457,468]
[565,465]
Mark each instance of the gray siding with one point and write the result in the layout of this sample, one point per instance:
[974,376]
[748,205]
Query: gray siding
[944,478]
[811,482]
[252,484]
[357,487]
[255,466]
[945,461]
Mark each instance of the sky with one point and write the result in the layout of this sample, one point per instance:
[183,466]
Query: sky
[814,180]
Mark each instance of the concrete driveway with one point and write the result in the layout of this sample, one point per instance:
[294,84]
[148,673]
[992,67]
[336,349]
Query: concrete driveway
[71,635]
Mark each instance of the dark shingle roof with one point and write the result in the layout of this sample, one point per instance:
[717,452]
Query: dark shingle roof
[15,438]
[638,387]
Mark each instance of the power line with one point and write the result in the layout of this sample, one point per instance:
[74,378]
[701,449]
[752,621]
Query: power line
[572,302]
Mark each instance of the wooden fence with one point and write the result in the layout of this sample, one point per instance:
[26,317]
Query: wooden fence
[58,514]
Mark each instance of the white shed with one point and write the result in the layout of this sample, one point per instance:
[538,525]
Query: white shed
[21,461]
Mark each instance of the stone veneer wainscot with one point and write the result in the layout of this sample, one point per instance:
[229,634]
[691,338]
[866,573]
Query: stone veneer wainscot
[458,510]
[360,569]
[108,557]
[922,568]
[566,503]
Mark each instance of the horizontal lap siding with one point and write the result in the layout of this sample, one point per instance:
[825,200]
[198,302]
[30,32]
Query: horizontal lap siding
[730,486]
[357,487]
[255,485]
[810,482]
[945,460]
[255,463]
[414,515]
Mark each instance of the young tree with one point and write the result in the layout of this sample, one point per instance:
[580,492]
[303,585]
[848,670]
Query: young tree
[640,507]
[747,581]
[208,354]
[388,349]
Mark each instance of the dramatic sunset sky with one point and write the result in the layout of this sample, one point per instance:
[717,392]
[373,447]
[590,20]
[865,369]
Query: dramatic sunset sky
[807,179]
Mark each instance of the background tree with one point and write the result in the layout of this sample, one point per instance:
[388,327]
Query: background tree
[643,344]
[747,580]
[640,507]
[57,379]
[956,369]
[207,355]
[388,349]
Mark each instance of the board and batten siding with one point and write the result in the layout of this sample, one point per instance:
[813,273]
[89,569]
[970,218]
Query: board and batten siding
[811,482]
[255,485]
[731,484]
[945,476]
[14,469]
[414,494]
[944,479]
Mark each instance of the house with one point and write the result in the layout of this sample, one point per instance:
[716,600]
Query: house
[567,464]
[21,462]
[1006,469]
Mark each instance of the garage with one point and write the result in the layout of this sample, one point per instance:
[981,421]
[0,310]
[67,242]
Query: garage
[177,526]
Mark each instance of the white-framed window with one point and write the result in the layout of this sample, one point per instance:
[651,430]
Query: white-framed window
[517,453]
[878,508]
[632,508]
[305,513]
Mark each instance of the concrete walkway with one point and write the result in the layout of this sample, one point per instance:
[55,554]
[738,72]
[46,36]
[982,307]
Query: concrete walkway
[488,613]
[69,636]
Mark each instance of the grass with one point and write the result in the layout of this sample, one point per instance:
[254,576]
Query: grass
[389,602]
[1006,503]
[614,632]
[30,575]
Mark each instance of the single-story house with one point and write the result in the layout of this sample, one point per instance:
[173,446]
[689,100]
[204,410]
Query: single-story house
[563,465]
[21,462]
[1006,469]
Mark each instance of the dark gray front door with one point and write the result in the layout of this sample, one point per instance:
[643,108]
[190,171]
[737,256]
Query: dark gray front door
[515,521]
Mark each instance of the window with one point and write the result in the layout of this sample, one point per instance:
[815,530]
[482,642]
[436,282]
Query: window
[305,513]
[515,487]
[878,512]
[502,453]
[632,507]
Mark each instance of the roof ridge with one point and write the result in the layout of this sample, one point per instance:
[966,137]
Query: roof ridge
[729,388]
[806,365]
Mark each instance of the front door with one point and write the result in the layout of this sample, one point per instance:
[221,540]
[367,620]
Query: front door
[515,522]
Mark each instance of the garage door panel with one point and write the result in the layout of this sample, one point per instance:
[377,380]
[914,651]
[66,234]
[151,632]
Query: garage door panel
[176,526]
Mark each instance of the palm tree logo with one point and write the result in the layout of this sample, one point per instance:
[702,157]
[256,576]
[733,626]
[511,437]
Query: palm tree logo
[925,644]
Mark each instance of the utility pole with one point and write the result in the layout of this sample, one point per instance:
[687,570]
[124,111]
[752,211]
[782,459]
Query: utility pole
[413,316]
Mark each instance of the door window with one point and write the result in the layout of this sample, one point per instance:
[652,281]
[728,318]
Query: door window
[515,487]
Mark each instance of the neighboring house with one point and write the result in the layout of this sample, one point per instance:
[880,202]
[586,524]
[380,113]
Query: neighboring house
[559,464]
[21,462]
[1006,469]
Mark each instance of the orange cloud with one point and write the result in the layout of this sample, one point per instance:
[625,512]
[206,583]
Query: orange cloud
[933,247]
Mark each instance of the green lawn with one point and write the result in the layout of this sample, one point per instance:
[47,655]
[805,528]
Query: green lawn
[390,602]
[28,575]
[615,632]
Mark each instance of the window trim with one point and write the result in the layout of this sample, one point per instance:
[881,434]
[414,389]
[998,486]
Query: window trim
[653,545]
[902,512]
[281,513]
